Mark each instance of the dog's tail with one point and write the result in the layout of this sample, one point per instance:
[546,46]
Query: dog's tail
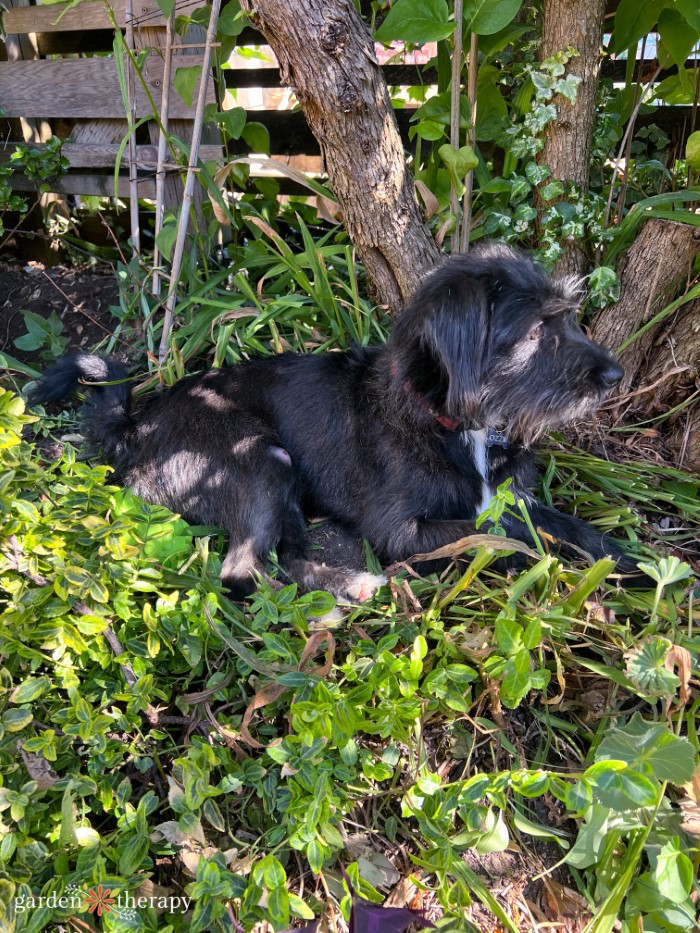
[107,416]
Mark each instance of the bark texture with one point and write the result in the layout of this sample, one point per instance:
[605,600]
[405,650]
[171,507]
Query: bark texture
[652,273]
[567,152]
[326,54]
[666,358]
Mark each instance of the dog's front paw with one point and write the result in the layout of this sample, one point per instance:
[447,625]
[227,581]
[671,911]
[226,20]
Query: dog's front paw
[362,586]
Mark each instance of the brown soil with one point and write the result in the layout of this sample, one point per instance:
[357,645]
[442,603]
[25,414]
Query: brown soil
[81,298]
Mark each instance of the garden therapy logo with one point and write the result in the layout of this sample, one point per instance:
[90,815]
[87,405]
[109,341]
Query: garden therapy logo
[99,900]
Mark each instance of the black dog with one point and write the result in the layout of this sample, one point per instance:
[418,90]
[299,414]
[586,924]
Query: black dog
[404,443]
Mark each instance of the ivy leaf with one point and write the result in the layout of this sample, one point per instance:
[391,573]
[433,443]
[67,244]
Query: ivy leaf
[416,21]
[486,17]
[166,7]
[186,80]
[650,747]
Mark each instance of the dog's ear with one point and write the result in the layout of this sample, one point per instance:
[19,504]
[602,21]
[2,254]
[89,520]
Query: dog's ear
[457,333]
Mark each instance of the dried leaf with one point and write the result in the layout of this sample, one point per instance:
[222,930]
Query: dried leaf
[312,647]
[266,695]
[495,542]
[431,203]
[563,901]
[679,658]
[39,769]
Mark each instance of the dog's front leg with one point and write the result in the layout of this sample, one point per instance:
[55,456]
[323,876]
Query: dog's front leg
[571,536]
[421,536]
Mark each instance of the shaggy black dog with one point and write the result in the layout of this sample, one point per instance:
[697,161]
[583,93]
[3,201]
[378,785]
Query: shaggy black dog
[403,443]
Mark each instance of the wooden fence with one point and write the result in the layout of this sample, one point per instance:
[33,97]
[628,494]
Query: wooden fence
[79,98]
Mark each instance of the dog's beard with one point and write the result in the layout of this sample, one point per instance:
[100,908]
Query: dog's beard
[525,411]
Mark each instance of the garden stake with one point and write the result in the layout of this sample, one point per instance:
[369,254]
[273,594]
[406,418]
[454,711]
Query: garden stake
[162,146]
[189,184]
[133,170]
[471,137]
[457,59]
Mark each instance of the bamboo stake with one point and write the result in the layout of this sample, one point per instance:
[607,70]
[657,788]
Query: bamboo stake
[179,249]
[162,146]
[455,112]
[133,168]
[469,179]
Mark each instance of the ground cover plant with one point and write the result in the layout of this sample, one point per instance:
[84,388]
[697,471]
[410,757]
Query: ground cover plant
[163,742]
[485,752]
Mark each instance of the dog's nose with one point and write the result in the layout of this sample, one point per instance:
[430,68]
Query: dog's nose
[612,375]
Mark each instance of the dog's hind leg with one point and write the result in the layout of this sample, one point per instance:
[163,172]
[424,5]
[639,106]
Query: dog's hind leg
[347,585]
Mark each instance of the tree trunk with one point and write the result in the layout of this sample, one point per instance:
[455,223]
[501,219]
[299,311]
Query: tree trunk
[652,273]
[567,151]
[326,54]
[675,368]
[666,358]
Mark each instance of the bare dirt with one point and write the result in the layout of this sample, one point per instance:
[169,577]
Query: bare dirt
[81,298]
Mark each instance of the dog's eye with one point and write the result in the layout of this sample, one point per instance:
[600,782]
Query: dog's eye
[537,332]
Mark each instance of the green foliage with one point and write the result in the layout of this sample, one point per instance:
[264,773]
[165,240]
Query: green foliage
[44,334]
[39,165]
[115,638]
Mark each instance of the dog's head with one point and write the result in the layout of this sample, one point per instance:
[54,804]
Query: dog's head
[491,339]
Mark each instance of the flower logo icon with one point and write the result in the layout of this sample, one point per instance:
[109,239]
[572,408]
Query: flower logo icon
[98,900]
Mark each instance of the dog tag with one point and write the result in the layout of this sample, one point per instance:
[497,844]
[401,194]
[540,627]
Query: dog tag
[495,438]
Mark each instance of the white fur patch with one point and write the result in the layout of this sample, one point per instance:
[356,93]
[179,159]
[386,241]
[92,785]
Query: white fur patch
[363,586]
[477,439]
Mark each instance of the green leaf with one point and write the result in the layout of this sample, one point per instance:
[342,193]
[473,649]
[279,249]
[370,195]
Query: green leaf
[652,746]
[676,38]
[30,689]
[16,719]
[278,906]
[272,872]
[458,162]
[257,137]
[646,667]
[315,853]
[509,636]
[231,21]
[67,830]
[691,10]
[133,854]
[486,17]
[622,790]
[166,7]
[231,121]
[591,838]
[416,21]
[692,150]
[496,836]
[186,80]
[430,130]
[633,20]
[673,872]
